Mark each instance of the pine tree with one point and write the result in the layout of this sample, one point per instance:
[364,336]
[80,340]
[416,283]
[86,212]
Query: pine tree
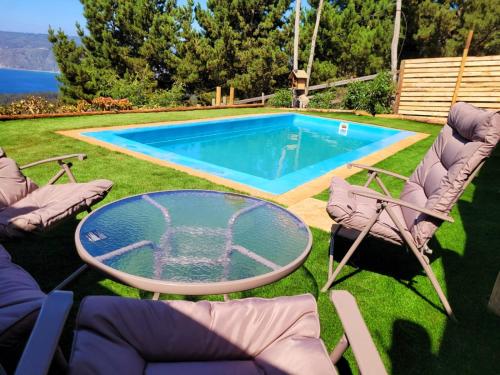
[130,40]
[354,38]
[245,44]
[439,28]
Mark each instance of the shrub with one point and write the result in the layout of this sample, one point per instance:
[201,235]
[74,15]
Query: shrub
[67,108]
[31,105]
[323,99]
[374,96]
[110,104]
[136,88]
[281,98]
[167,98]
[83,106]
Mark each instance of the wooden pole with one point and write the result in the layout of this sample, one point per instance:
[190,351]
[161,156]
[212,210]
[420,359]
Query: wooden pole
[231,95]
[462,66]
[296,36]
[400,87]
[263,99]
[395,41]
[313,45]
[218,93]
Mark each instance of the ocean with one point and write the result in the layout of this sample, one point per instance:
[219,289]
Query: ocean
[15,81]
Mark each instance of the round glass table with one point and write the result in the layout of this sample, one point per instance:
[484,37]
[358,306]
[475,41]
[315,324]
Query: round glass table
[193,242]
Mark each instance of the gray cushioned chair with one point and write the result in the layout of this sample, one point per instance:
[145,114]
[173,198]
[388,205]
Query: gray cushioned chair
[117,335]
[429,194]
[20,302]
[25,207]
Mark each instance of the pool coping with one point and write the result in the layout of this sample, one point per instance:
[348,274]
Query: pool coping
[291,197]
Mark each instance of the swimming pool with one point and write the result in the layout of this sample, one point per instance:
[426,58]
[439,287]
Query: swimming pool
[273,153]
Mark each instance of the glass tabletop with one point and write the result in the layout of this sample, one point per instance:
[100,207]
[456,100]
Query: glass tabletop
[193,241]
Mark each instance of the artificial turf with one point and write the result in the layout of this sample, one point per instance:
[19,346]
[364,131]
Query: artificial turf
[402,311]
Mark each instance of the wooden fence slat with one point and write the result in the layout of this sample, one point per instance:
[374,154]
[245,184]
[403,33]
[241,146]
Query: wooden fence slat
[428,84]
[483,63]
[433,59]
[437,70]
[467,73]
[425,113]
[470,98]
[434,79]
[420,94]
[445,99]
[481,79]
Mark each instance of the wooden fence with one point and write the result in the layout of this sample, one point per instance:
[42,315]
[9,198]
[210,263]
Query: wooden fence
[321,86]
[426,86]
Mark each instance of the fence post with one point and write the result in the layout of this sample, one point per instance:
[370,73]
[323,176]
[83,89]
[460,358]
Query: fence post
[263,100]
[231,95]
[218,93]
[400,87]
[462,66]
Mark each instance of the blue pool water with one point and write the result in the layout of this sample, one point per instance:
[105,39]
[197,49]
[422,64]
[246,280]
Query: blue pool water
[273,153]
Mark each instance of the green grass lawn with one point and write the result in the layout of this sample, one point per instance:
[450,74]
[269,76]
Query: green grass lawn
[401,309]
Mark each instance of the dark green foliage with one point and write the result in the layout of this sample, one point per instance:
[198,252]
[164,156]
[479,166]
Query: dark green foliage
[353,38]
[128,43]
[323,99]
[373,96]
[167,98]
[281,98]
[440,27]
[131,48]
[134,88]
[242,43]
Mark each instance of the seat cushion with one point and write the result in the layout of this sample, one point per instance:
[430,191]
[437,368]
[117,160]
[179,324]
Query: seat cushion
[275,336]
[49,204]
[20,294]
[354,212]
[13,184]
[248,367]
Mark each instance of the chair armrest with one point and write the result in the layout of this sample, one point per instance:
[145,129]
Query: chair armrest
[56,158]
[42,344]
[357,334]
[399,202]
[378,170]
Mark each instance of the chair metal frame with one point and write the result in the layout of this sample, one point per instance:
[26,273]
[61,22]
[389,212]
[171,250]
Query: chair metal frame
[384,203]
[43,342]
[65,169]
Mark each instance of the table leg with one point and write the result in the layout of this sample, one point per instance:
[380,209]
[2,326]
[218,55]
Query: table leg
[156,296]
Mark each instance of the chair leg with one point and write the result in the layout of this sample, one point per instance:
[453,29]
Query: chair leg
[435,283]
[351,251]
[332,249]
[423,260]
[71,277]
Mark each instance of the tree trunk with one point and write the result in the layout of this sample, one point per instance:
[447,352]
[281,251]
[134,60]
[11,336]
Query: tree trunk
[296,36]
[313,44]
[395,40]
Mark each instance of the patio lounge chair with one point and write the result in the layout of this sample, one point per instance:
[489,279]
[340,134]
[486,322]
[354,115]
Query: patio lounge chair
[20,303]
[249,336]
[25,207]
[429,194]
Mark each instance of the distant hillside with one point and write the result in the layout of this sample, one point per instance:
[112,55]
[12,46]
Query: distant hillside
[26,51]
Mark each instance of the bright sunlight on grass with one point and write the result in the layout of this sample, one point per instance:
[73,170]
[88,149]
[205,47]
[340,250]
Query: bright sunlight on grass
[401,309]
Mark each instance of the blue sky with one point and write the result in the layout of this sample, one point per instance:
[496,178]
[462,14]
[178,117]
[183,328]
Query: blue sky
[35,16]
